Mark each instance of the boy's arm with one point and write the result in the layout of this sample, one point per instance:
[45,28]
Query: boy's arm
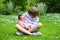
[23,25]
[20,23]
[36,21]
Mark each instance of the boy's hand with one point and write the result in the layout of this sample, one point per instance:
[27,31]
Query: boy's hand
[28,27]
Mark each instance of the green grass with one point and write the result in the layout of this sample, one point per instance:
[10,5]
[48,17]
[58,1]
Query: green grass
[50,29]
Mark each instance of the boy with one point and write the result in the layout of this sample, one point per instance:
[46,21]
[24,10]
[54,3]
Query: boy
[32,18]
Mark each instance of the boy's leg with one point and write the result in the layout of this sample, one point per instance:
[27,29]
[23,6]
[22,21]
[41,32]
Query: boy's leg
[35,27]
[22,29]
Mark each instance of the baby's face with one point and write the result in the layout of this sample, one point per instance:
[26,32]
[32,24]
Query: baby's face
[22,18]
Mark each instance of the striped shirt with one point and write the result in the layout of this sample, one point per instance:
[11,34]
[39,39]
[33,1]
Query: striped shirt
[30,20]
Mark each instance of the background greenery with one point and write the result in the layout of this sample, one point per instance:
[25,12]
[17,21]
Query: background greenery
[15,6]
[51,21]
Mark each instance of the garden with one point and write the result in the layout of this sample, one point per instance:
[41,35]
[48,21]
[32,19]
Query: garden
[49,16]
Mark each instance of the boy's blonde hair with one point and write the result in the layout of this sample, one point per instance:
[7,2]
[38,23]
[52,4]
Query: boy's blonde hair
[33,11]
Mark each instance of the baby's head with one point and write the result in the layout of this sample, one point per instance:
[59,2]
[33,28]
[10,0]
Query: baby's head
[20,17]
[33,12]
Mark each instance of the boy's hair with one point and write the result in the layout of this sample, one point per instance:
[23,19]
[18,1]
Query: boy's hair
[19,16]
[33,11]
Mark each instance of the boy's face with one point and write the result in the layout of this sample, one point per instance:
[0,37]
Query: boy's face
[32,16]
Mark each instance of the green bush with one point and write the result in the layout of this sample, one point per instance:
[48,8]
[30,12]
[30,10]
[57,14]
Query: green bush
[42,8]
[53,5]
[25,4]
[16,6]
[1,1]
[10,7]
[17,9]
[2,6]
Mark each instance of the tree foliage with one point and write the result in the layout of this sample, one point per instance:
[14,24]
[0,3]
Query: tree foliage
[24,5]
[53,5]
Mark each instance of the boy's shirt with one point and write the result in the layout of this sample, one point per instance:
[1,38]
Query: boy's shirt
[30,20]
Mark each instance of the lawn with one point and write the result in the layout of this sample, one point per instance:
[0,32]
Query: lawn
[50,29]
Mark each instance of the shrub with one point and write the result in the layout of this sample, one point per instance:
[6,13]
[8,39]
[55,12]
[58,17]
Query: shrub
[1,1]
[2,6]
[42,8]
[10,7]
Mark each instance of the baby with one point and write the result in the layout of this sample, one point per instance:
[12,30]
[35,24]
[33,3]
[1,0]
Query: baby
[25,23]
